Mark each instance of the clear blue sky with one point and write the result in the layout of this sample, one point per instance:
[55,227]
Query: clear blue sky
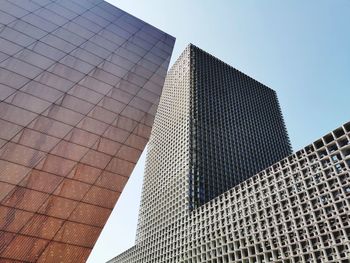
[299,48]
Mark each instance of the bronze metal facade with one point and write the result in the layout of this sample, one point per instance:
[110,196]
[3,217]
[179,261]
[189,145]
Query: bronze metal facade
[80,83]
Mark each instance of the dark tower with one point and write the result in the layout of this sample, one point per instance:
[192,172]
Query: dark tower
[215,127]
[237,127]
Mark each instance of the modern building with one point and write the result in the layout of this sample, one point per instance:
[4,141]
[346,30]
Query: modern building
[80,82]
[221,184]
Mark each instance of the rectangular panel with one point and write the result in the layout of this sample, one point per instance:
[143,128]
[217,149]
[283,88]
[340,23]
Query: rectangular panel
[8,130]
[12,173]
[90,214]
[101,197]
[66,252]
[42,91]
[72,189]
[25,199]
[24,248]
[42,226]
[78,234]
[35,140]
[58,207]
[12,219]
[121,167]
[112,181]
[41,181]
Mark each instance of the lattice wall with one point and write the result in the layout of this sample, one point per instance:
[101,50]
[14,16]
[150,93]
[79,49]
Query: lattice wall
[296,210]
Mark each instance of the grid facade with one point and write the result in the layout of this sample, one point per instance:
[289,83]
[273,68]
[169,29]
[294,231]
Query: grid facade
[236,130]
[80,82]
[295,210]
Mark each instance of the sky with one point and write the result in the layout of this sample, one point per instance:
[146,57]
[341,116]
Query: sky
[301,49]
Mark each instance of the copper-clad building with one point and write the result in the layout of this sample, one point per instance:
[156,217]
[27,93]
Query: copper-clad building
[80,82]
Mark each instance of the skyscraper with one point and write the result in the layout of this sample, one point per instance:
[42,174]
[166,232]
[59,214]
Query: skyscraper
[80,82]
[215,128]
[236,127]
[221,184]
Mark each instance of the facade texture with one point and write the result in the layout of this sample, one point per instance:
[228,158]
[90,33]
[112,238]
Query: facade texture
[236,127]
[296,210]
[293,210]
[80,82]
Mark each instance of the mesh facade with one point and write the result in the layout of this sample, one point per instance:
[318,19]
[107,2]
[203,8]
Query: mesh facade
[236,127]
[204,142]
[296,210]
[80,82]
